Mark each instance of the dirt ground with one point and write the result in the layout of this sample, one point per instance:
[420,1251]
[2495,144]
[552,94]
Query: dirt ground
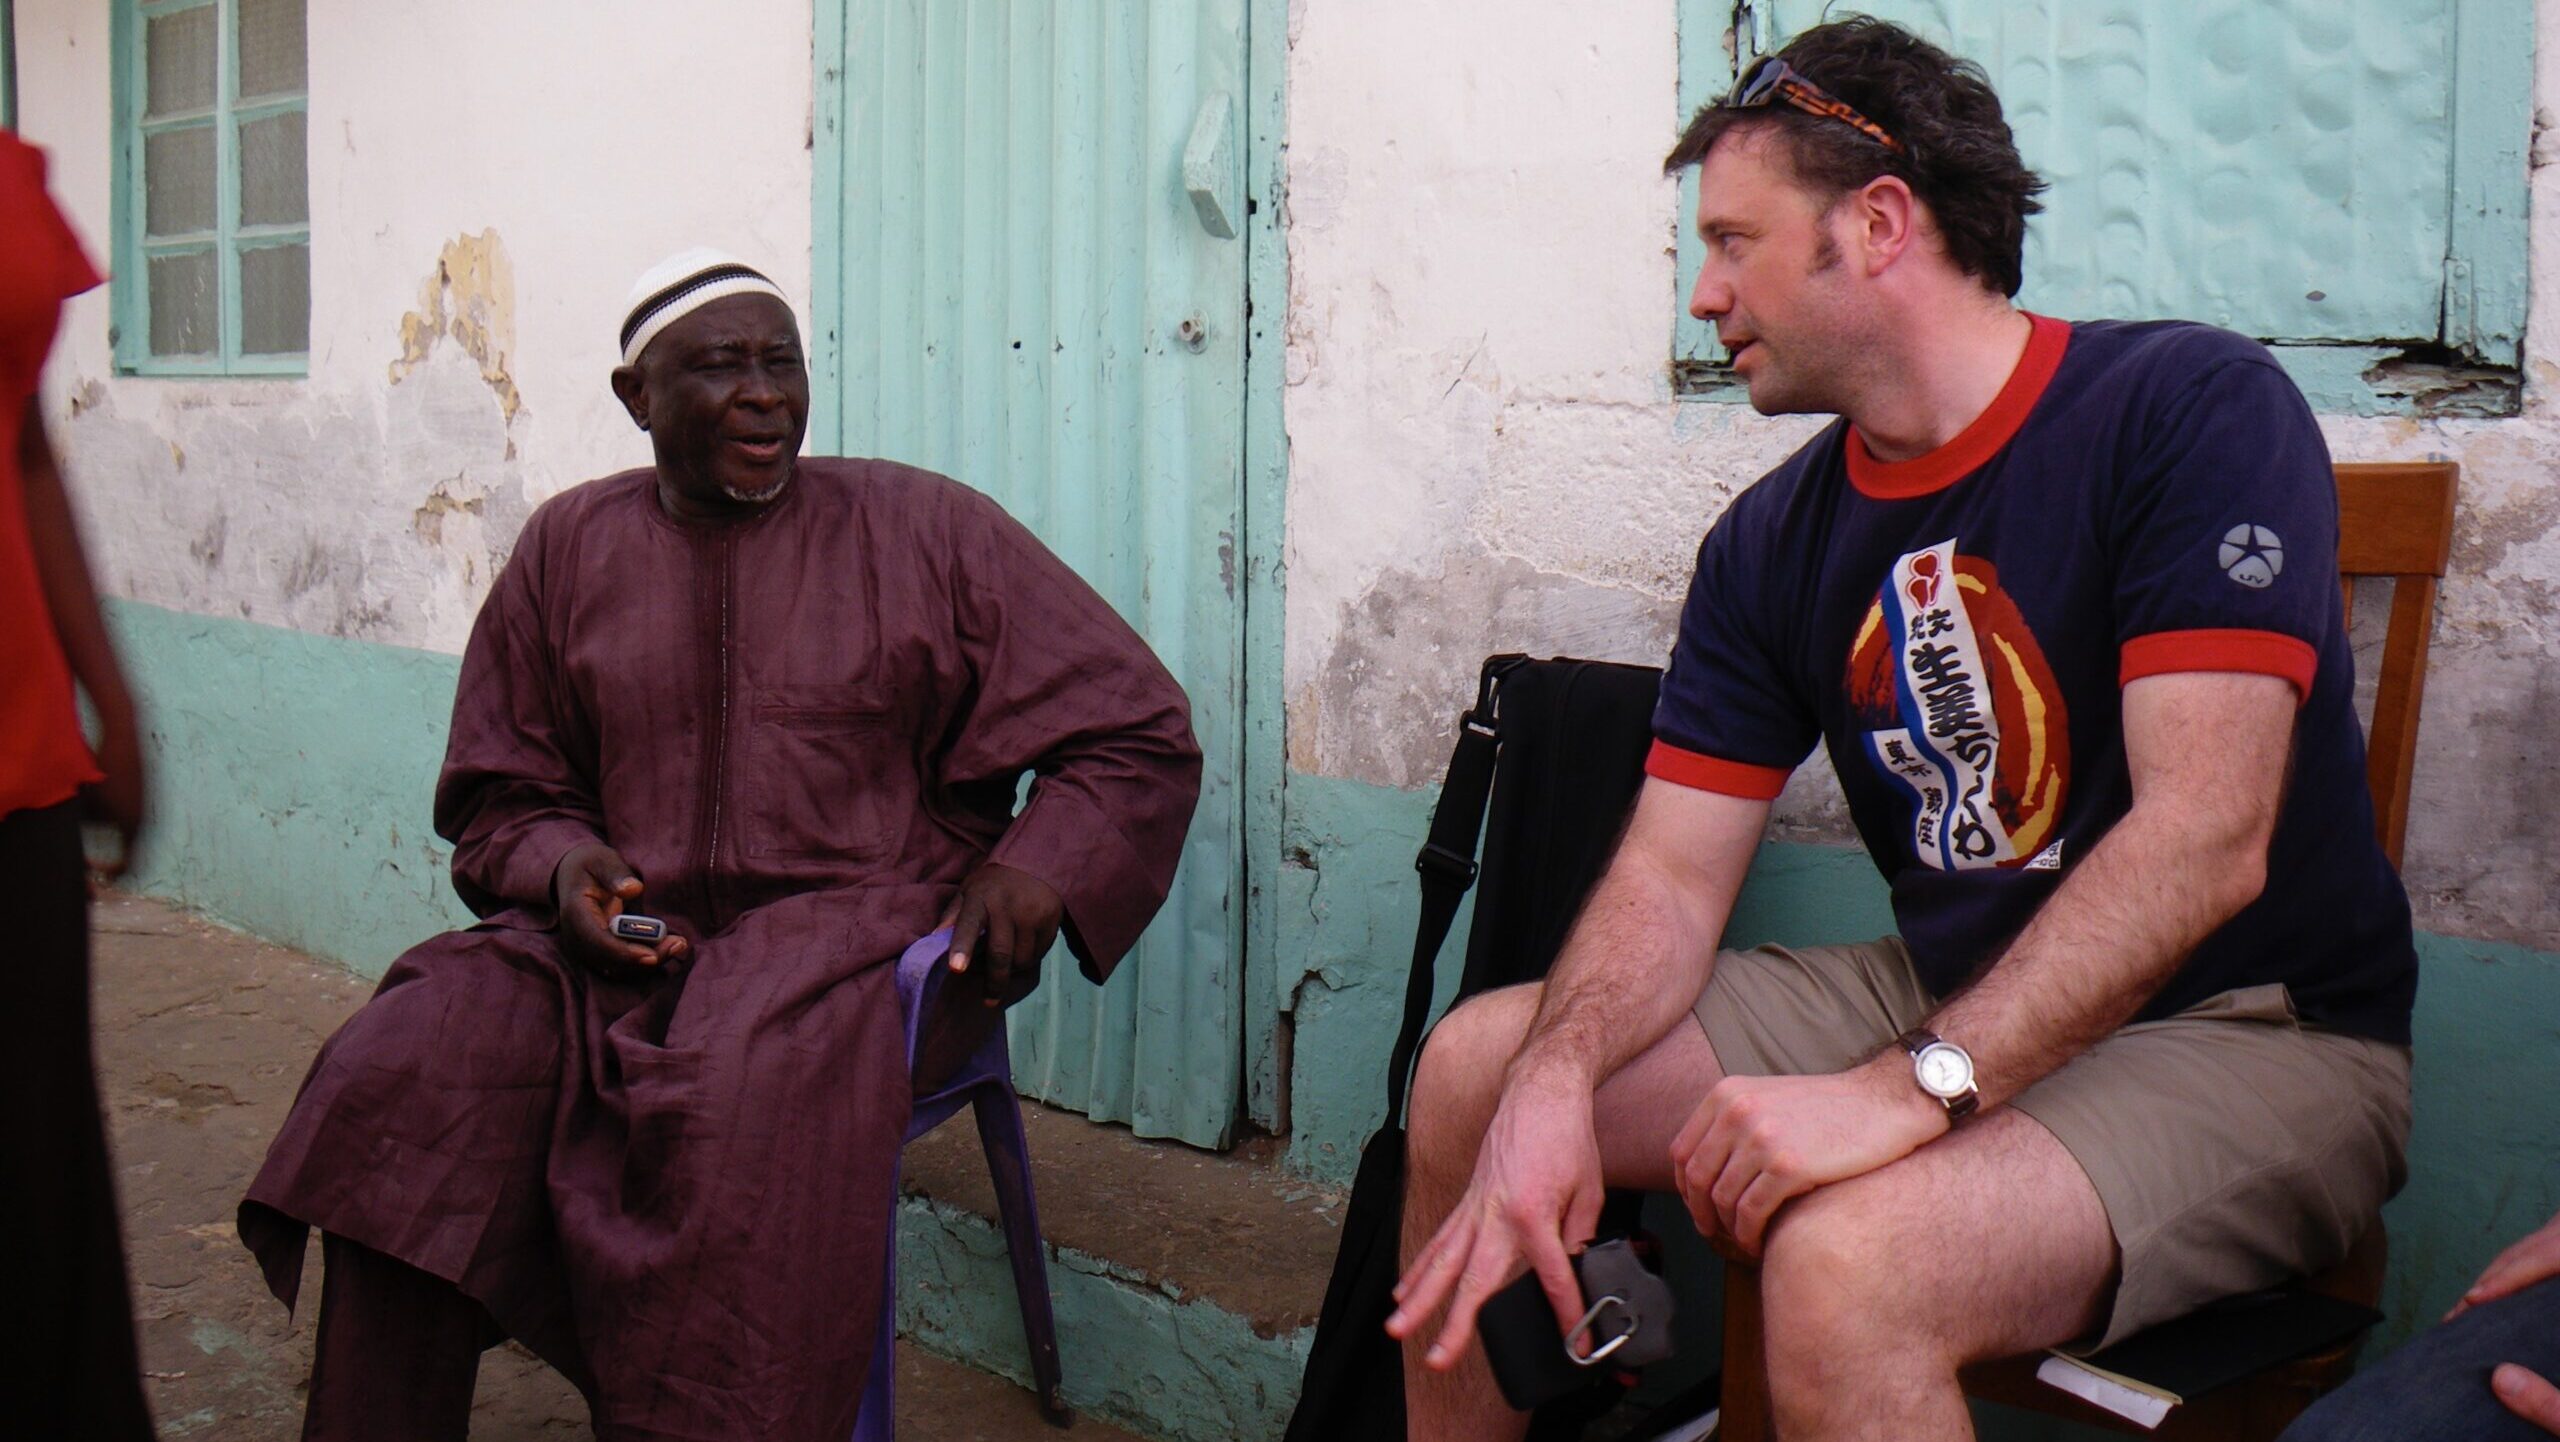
[202,1036]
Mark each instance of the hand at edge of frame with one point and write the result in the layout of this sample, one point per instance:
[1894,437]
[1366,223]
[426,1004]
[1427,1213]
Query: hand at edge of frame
[2527,1395]
[2533,1258]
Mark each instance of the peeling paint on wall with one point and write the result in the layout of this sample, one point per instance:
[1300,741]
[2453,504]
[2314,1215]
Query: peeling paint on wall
[226,503]
[1407,652]
[428,519]
[470,297]
[2438,383]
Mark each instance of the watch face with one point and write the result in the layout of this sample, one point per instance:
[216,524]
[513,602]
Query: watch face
[1944,1070]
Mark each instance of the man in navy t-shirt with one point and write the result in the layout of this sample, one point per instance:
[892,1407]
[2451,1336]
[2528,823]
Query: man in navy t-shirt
[2061,604]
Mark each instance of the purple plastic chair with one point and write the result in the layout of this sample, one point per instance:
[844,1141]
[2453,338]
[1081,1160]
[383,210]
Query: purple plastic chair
[983,1083]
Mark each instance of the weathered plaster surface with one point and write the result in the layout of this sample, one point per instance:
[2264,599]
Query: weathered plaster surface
[376,516]
[1486,455]
[1133,1351]
[292,781]
[485,180]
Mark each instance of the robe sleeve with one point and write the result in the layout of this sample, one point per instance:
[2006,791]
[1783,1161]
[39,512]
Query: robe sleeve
[518,790]
[1066,690]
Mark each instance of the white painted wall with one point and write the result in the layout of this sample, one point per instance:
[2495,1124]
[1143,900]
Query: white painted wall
[1486,455]
[556,151]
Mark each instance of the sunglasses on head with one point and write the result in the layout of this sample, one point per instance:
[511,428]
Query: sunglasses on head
[1771,80]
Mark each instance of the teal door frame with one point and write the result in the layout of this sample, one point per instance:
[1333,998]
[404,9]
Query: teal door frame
[1266,486]
[1259,570]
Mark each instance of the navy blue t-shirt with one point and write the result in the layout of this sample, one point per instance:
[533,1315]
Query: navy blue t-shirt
[1957,629]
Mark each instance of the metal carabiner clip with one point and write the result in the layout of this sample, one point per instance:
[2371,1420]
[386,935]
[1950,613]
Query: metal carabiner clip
[1582,1329]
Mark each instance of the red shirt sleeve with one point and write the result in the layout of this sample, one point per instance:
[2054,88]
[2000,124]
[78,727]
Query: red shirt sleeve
[43,241]
[43,758]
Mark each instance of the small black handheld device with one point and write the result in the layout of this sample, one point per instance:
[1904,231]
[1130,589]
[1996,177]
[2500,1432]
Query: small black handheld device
[1626,1325]
[630,926]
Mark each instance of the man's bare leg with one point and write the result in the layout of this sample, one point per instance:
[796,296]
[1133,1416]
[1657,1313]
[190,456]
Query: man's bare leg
[1455,1088]
[1987,1243]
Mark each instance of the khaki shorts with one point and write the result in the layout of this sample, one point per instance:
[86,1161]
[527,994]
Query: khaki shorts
[2231,1145]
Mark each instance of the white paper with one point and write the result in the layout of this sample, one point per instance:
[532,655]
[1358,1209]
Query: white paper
[2140,1408]
[1694,1431]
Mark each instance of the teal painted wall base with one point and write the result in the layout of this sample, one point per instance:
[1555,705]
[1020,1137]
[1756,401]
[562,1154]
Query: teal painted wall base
[292,778]
[1133,1352]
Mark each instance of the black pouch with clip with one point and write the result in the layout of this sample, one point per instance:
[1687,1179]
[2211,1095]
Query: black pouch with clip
[1626,1323]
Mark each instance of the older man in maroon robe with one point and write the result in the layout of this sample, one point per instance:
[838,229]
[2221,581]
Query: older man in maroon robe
[783,705]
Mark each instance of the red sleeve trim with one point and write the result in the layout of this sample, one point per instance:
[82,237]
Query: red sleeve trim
[1709,773]
[2264,653]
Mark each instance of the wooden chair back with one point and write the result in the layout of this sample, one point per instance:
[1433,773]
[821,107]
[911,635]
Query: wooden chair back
[2395,522]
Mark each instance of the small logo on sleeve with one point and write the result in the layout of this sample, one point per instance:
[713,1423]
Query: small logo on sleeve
[2252,556]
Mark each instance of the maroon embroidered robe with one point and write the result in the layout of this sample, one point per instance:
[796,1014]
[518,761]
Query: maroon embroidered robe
[802,729]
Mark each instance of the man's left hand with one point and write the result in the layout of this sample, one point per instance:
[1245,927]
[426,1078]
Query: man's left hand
[1003,923]
[1758,1142]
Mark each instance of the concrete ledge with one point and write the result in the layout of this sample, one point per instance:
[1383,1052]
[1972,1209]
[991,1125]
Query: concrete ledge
[1186,1284]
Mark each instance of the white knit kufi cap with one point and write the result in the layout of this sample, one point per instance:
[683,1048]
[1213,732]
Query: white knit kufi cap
[680,285]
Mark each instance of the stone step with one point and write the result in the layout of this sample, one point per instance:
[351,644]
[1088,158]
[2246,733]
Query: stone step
[1186,1283]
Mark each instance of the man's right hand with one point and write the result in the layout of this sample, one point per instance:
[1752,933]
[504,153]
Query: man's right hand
[1536,1190]
[591,886]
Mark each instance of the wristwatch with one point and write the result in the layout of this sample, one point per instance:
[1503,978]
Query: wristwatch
[1944,1070]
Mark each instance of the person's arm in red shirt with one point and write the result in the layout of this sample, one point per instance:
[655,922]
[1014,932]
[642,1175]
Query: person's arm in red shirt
[62,567]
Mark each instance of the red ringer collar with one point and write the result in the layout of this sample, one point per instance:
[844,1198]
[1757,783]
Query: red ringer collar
[1977,443]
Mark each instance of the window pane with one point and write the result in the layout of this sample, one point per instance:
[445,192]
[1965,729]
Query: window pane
[180,52]
[183,302]
[275,300]
[270,47]
[178,181]
[273,188]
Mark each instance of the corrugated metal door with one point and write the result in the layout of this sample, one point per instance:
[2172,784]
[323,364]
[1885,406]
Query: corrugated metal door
[2155,124]
[1031,277]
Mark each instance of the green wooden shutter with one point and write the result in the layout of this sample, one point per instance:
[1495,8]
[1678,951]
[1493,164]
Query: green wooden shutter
[1031,276]
[2321,174]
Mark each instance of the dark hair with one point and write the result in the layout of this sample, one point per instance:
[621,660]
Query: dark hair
[1958,156]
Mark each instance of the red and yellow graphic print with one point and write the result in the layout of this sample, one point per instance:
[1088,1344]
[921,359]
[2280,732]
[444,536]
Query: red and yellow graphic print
[1960,707]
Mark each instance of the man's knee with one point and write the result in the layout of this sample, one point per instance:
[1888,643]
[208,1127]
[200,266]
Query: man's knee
[1459,1076]
[1838,1267]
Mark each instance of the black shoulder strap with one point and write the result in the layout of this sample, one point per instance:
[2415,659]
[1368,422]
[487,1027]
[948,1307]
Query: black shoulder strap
[1448,864]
